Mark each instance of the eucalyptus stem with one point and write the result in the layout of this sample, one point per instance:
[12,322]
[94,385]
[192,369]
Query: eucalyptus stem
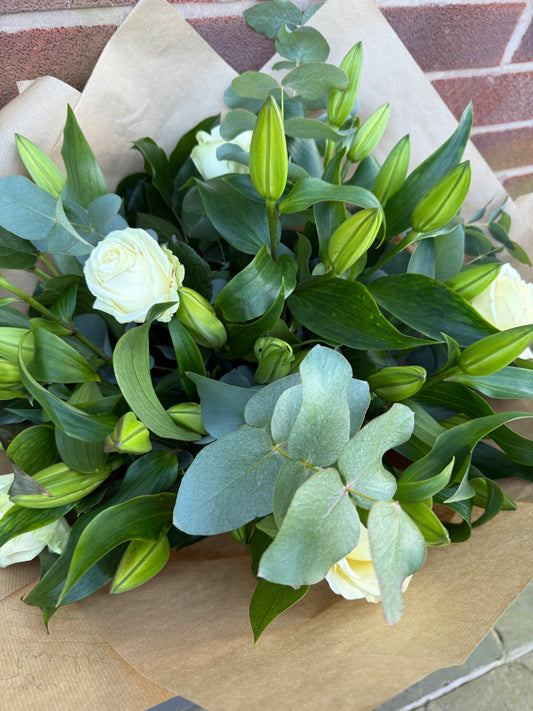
[272,227]
[17,291]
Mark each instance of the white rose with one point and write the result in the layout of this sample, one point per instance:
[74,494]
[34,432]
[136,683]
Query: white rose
[204,155]
[28,545]
[129,272]
[507,302]
[354,576]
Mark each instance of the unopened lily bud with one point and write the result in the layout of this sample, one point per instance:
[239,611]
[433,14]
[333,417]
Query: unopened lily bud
[129,436]
[392,173]
[369,134]
[10,338]
[443,200]
[240,535]
[9,375]
[473,281]
[353,238]
[188,416]
[494,352]
[274,359]
[341,102]
[64,486]
[398,382]
[199,318]
[268,152]
[141,561]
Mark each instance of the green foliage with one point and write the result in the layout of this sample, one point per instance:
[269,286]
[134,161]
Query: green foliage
[317,266]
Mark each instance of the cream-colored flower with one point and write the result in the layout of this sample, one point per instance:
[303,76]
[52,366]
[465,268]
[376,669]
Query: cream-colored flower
[28,545]
[354,576]
[507,302]
[129,272]
[204,155]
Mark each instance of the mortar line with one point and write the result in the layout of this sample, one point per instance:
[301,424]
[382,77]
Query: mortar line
[506,658]
[515,68]
[518,34]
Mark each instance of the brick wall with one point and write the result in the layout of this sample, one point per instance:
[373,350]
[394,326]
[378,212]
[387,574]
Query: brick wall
[469,49]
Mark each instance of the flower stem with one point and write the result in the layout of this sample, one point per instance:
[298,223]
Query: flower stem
[272,228]
[46,260]
[17,291]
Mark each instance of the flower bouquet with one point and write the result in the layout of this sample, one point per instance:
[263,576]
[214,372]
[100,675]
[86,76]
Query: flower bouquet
[264,332]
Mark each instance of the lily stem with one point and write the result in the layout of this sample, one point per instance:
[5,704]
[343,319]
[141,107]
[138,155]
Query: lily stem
[272,227]
[24,296]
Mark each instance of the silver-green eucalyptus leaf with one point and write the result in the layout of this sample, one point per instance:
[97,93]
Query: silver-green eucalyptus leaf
[260,407]
[398,550]
[322,426]
[229,483]
[320,527]
[360,462]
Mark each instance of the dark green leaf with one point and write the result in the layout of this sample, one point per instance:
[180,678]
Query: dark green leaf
[33,449]
[132,371]
[188,356]
[85,181]
[344,312]
[241,221]
[430,307]
[311,190]
[270,600]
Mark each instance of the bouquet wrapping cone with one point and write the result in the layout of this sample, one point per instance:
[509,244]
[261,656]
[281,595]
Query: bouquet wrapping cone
[187,632]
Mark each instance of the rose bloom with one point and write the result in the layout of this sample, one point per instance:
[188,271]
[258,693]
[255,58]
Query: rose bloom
[28,545]
[354,576]
[507,302]
[129,272]
[204,155]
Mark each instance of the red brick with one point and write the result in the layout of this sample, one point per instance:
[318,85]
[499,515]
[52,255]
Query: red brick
[242,47]
[524,52]
[497,98]
[68,53]
[455,36]
[519,185]
[7,6]
[506,149]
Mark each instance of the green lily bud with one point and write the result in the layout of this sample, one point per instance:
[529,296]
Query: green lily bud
[398,382]
[9,375]
[9,344]
[443,201]
[199,318]
[274,359]
[494,352]
[268,152]
[369,134]
[187,415]
[353,238]
[64,484]
[129,436]
[141,561]
[473,281]
[42,169]
[240,535]
[392,174]
[341,102]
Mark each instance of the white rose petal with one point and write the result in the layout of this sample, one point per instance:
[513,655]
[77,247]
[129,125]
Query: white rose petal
[507,302]
[204,155]
[28,545]
[129,272]
[354,576]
